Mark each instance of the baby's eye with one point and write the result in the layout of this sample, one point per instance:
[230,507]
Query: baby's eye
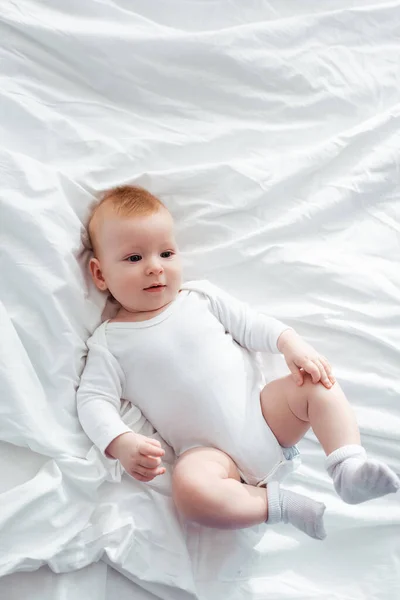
[134,258]
[167,254]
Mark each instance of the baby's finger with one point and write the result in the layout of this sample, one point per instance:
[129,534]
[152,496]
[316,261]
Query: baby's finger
[149,473]
[149,462]
[328,369]
[297,374]
[313,370]
[154,442]
[323,375]
[149,449]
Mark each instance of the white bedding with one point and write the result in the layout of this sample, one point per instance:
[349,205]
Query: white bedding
[272,132]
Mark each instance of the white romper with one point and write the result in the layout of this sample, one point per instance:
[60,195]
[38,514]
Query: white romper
[193,373]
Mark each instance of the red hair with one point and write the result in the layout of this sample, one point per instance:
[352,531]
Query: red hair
[125,201]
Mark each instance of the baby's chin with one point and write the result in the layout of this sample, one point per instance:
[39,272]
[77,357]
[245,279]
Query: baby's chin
[157,299]
[149,301]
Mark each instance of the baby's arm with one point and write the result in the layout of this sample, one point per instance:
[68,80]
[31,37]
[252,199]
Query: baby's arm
[253,330]
[258,332]
[98,403]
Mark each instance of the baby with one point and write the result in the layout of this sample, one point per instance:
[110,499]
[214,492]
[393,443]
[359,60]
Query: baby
[184,355]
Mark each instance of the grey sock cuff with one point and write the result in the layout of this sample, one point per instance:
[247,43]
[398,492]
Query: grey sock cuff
[341,454]
[274,503]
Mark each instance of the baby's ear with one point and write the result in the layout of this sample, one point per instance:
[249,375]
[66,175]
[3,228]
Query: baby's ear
[97,275]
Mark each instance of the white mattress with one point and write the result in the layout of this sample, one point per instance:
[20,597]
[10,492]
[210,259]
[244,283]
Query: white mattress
[272,131]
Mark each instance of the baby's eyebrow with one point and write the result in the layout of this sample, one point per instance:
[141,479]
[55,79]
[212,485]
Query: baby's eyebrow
[130,252]
[162,245]
[129,245]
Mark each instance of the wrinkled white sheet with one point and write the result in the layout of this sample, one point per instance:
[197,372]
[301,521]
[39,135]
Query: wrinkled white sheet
[272,132]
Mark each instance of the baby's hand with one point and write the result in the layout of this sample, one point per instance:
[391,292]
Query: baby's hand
[139,455]
[300,357]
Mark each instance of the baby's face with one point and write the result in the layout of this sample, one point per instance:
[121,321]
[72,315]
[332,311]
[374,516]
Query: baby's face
[136,253]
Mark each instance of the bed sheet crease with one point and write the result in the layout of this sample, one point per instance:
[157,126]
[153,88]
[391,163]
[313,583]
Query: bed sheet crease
[272,132]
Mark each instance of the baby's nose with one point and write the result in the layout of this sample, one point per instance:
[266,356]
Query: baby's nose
[154,267]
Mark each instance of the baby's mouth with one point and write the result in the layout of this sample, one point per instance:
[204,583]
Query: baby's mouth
[155,286]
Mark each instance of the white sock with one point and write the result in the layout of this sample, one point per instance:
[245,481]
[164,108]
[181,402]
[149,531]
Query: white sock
[302,512]
[357,478]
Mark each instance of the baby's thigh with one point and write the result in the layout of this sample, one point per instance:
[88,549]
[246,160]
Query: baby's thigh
[198,471]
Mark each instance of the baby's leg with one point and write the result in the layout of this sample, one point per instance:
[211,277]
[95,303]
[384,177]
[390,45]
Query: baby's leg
[290,410]
[207,489]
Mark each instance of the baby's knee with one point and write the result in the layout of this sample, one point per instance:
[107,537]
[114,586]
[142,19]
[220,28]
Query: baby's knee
[319,393]
[310,388]
[299,398]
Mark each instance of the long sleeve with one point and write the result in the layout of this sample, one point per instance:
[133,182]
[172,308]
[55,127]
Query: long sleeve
[99,397]
[251,329]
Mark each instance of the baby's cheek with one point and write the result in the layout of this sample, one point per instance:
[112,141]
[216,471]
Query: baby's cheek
[125,283]
[177,272]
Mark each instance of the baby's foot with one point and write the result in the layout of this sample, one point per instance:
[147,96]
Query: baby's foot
[357,478]
[300,511]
